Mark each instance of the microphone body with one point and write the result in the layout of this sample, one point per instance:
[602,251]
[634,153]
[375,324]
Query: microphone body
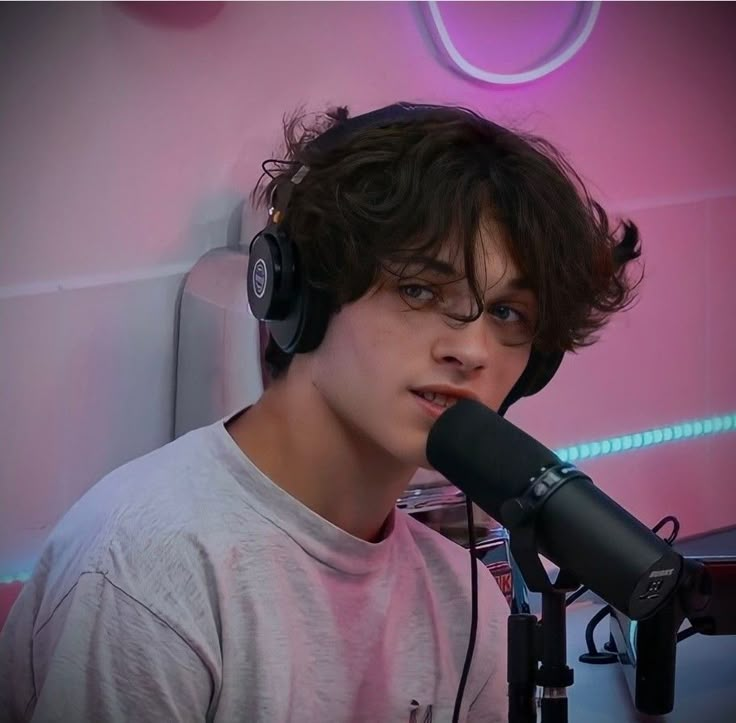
[519,482]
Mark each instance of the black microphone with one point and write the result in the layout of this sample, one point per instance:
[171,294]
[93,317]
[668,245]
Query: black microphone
[522,484]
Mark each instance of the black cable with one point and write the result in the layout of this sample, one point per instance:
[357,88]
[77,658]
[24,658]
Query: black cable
[594,655]
[572,597]
[687,633]
[277,162]
[473,612]
[675,528]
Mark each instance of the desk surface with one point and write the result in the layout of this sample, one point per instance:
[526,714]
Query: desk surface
[705,680]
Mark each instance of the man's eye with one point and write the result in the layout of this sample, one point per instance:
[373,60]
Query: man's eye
[417,292]
[506,313]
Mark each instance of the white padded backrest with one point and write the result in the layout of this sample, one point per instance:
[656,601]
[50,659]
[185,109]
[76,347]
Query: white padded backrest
[218,360]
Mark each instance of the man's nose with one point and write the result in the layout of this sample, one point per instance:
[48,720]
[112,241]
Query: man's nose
[468,345]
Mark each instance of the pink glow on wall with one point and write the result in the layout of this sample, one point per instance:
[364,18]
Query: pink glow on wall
[126,142]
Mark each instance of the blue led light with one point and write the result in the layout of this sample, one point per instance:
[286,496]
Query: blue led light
[647,438]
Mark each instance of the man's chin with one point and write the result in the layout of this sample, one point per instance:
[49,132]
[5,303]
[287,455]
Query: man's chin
[422,463]
[417,463]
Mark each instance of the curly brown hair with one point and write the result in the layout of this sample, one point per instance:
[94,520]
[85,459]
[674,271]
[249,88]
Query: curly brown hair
[393,193]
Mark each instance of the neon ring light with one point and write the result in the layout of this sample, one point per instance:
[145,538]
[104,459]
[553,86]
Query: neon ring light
[511,78]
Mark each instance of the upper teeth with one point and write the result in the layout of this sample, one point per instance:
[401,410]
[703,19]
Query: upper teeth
[439,399]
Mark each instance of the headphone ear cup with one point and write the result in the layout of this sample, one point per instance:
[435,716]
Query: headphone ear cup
[538,372]
[316,315]
[304,328]
[278,293]
[271,275]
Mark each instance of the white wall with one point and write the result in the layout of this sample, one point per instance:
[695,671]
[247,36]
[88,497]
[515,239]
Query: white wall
[115,178]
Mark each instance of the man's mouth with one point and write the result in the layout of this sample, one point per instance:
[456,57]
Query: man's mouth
[441,400]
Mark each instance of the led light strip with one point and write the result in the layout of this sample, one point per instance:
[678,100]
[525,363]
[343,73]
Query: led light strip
[18,577]
[612,445]
[649,438]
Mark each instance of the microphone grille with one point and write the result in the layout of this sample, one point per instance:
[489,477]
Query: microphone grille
[475,448]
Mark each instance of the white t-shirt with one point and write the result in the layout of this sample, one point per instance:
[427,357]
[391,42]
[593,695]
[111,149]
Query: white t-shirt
[186,586]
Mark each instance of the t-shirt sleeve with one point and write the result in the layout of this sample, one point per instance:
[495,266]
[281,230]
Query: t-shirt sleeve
[103,657]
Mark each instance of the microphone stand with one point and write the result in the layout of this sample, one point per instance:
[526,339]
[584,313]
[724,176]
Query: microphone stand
[706,596]
[531,641]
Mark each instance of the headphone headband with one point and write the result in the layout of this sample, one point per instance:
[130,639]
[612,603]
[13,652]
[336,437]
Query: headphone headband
[389,115]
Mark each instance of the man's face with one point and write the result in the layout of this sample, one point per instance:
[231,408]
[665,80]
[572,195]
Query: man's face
[379,354]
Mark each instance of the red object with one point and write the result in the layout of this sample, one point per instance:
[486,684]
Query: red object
[8,594]
[501,571]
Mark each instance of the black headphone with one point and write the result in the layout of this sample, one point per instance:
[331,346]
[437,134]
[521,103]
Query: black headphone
[296,312]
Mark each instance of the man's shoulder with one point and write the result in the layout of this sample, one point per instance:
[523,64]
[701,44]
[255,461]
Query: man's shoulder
[160,522]
[175,484]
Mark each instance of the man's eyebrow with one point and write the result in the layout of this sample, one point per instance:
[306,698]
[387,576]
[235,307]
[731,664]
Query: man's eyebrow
[428,262]
[517,283]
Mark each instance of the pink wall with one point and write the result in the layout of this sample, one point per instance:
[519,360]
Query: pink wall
[127,138]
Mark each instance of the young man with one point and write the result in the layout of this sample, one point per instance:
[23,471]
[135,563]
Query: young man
[257,569]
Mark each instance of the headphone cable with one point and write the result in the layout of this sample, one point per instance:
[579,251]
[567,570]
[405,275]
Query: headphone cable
[473,613]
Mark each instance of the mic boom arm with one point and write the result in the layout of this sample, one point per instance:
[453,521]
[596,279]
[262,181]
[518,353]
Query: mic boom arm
[708,594]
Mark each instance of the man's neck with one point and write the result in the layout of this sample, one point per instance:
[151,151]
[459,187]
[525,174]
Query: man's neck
[297,441]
